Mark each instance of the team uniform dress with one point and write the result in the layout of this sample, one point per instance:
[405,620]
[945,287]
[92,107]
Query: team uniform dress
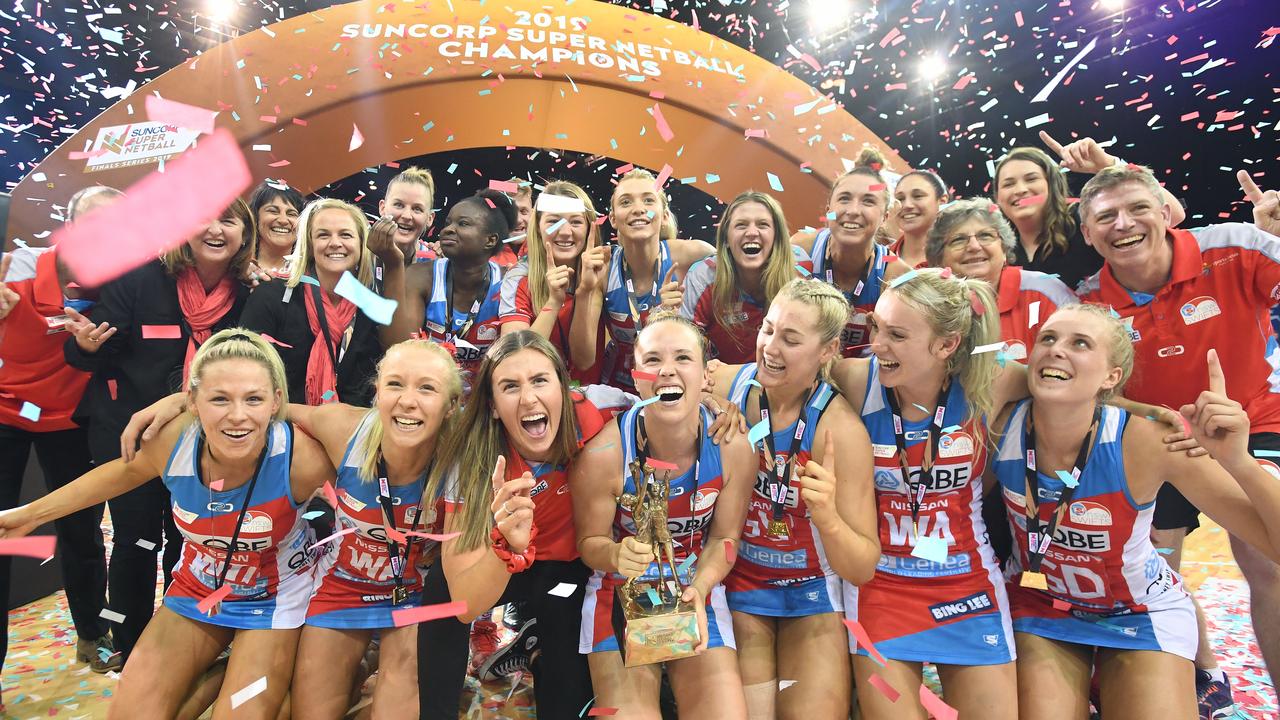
[1106,584]
[916,609]
[357,576]
[730,339]
[1026,299]
[782,574]
[1224,280]
[855,337]
[472,330]
[271,571]
[517,306]
[625,312]
[691,503]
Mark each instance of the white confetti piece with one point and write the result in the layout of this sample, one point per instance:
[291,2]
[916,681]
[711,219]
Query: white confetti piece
[563,590]
[145,544]
[252,690]
[111,615]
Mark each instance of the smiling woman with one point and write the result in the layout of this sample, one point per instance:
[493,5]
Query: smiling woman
[329,346]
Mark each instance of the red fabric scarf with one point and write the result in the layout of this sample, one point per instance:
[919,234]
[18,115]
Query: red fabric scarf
[322,375]
[202,310]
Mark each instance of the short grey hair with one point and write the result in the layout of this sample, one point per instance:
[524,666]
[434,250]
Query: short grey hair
[73,205]
[1114,176]
[959,212]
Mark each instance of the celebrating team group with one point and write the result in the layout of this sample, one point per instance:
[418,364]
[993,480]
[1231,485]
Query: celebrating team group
[965,432]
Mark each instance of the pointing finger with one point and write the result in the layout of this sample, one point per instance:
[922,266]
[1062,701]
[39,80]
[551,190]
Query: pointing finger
[1054,145]
[829,453]
[1251,190]
[499,473]
[1217,381]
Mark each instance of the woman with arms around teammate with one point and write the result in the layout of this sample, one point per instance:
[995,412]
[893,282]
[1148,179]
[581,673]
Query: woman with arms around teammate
[937,595]
[453,299]
[806,527]
[727,295]
[565,261]
[1089,591]
[644,275]
[329,346]
[239,476]
[845,253]
[707,489]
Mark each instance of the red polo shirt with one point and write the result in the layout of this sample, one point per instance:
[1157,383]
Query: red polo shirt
[1225,279]
[1020,317]
[34,370]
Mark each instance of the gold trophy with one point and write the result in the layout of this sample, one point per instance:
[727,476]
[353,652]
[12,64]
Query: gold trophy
[650,620]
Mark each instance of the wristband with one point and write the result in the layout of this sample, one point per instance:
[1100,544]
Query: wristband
[515,562]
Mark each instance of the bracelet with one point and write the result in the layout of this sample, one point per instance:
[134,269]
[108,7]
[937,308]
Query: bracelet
[515,562]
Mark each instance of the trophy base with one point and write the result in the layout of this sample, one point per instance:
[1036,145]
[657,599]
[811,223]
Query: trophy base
[650,634]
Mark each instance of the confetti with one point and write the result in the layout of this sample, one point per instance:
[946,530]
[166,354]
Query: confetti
[1068,479]
[377,308]
[30,411]
[274,341]
[216,485]
[357,139]
[39,547]
[145,544]
[438,537]
[248,692]
[413,616]
[934,705]
[657,464]
[664,130]
[111,616]
[563,590]
[180,114]
[157,213]
[331,538]
[642,375]
[213,598]
[931,549]
[989,347]
[161,332]
[731,551]
[864,640]
[884,687]
[559,204]
[758,432]
[312,515]
[602,712]
[506,186]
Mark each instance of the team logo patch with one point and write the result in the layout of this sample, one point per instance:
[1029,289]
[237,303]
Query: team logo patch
[183,515]
[704,499]
[256,521]
[487,333]
[956,444]
[1086,512]
[1201,308]
[886,480]
[435,327]
[950,610]
[883,451]
[349,500]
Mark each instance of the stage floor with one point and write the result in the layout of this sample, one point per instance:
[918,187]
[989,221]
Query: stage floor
[41,678]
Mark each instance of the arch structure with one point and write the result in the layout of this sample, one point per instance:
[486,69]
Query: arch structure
[413,78]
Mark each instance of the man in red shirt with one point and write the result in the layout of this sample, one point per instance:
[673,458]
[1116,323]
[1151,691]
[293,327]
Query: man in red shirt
[1181,293]
[39,393]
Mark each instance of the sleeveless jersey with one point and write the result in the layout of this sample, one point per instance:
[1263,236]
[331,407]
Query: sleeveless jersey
[357,571]
[765,560]
[855,336]
[482,333]
[271,572]
[618,320]
[1101,558]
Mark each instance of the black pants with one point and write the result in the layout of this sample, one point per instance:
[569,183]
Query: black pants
[140,514]
[443,645]
[63,457]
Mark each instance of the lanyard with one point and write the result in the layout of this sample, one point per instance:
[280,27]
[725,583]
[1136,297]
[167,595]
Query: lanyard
[450,334]
[398,564]
[917,488]
[1039,534]
[632,302]
[781,482]
[862,281]
[244,508]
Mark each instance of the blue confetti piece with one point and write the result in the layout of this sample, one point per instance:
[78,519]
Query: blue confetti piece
[653,597]
[930,548]
[904,277]
[803,272]
[1068,479]
[647,401]
[774,182]
[30,411]
[758,432]
[686,564]
[558,224]
[950,429]
[328,395]
[753,381]
[312,515]
[1165,551]
[379,309]
[310,280]
[1266,453]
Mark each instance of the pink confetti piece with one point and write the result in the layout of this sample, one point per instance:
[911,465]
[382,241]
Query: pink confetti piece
[642,375]
[394,534]
[757,133]
[274,341]
[413,616]
[935,706]
[884,687]
[1061,605]
[863,639]
[1032,200]
[602,712]
[946,273]
[39,547]
[157,213]
[357,139]
[331,538]
[161,332]
[891,257]
[663,175]
[112,388]
[180,114]
[78,155]
[329,494]
[657,464]
[664,130]
[207,604]
[216,485]
[731,551]
[976,303]
[505,186]
[438,537]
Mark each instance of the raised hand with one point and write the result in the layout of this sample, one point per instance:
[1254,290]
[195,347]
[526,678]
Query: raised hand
[382,242]
[512,507]
[672,293]
[1218,422]
[8,298]
[89,337]
[818,482]
[558,279]
[1082,156]
[1266,205]
[593,267]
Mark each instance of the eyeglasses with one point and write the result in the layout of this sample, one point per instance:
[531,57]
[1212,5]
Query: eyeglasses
[986,237]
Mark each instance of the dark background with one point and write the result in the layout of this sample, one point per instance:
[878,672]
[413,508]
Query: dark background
[1144,77]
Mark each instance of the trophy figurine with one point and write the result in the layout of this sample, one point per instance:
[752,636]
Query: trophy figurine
[650,620]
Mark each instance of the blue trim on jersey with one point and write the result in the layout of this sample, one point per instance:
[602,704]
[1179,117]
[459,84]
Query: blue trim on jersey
[433,317]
